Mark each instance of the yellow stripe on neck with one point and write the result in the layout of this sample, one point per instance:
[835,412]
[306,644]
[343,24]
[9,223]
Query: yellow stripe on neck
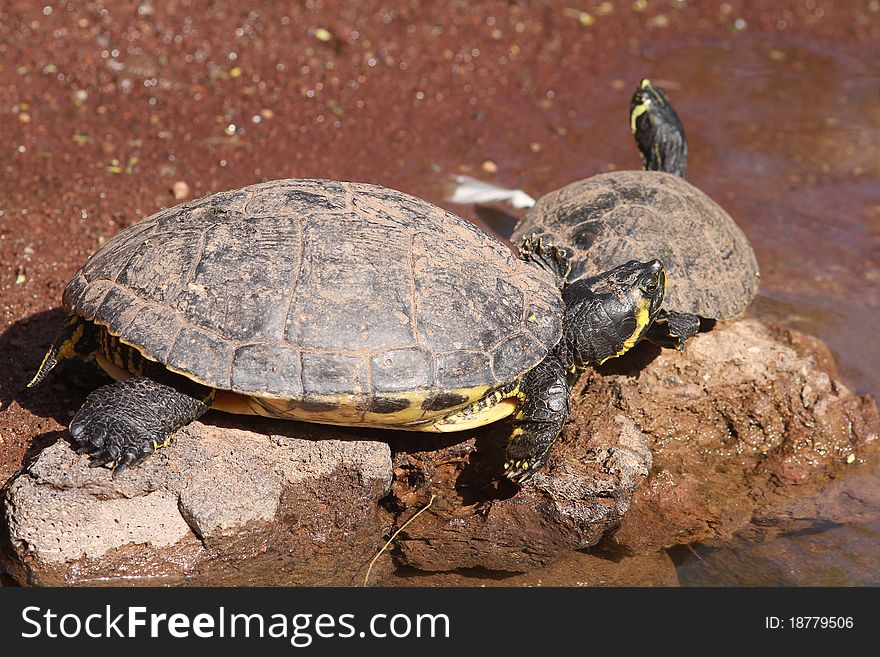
[638,110]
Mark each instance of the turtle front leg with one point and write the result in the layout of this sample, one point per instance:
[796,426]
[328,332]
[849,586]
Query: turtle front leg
[538,421]
[673,329]
[121,424]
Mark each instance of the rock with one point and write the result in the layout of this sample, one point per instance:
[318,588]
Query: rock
[474,522]
[741,424]
[826,538]
[854,498]
[220,506]
[838,556]
[180,190]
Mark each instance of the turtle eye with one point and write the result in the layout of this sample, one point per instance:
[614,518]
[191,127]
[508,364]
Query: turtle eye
[651,286]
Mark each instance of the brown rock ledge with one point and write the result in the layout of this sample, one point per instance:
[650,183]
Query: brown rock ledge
[220,506]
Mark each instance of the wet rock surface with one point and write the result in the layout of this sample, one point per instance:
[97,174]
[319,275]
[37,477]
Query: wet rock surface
[220,506]
[825,538]
[583,568]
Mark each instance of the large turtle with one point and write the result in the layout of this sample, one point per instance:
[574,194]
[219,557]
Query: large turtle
[338,303]
[614,217]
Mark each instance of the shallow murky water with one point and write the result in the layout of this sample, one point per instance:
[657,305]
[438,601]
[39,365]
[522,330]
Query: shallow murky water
[797,162]
[827,555]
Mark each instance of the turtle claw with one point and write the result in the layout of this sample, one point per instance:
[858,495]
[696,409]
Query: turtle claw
[534,250]
[120,452]
[682,326]
[672,330]
[521,470]
[128,458]
[144,453]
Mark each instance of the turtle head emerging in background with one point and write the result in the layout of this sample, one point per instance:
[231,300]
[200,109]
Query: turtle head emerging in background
[657,129]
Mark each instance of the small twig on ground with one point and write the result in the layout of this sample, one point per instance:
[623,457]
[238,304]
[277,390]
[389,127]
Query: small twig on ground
[394,535]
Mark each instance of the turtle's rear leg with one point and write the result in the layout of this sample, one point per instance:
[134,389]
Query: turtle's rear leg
[121,424]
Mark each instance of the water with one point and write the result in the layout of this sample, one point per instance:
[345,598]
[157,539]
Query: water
[786,137]
[796,160]
[829,555]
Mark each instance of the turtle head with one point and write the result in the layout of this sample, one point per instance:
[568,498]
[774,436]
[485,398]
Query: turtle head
[657,129]
[607,314]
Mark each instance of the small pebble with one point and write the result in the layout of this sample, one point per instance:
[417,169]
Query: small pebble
[660,20]
[180,190]
[489,166]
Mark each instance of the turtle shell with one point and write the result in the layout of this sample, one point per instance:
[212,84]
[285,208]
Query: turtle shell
[324,291]
[611,218]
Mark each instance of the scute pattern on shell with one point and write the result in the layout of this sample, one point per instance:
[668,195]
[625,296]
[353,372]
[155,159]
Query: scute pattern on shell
[302,288]
[615,217]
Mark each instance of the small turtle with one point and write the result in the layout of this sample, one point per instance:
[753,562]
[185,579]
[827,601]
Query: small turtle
[613,217]
[338,303]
